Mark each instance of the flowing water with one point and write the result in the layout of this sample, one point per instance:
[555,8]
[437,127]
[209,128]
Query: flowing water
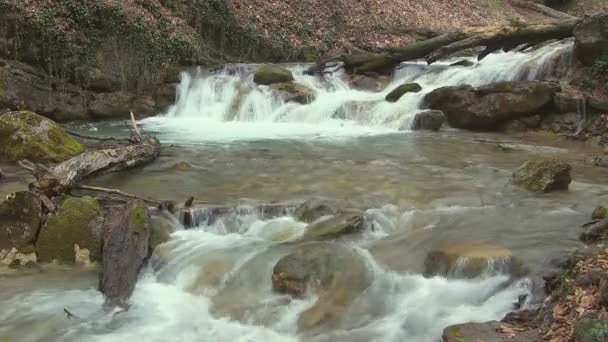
[418,190]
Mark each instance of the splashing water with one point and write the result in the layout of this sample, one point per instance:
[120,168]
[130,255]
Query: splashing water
[228,106]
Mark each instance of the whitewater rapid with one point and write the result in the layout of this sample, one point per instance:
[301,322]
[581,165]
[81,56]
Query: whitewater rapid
[226,105]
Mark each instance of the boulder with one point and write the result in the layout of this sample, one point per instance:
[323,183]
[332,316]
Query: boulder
[430,120]
[118,105]
[514,126]
[486,107]
[569,100]
[463,63]
[567,122]
[470,260]
[270,74]
[314,209]
[343,223]
[543,175]
[293,92]
[370,83]
[594,231]
[337,273]
[591,38]
[401,90]
[77,225]
[598,103]
[531,121]
[599,213]
[20,220]
[27,135]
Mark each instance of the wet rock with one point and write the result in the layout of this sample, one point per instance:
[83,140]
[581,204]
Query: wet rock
[337,273]
[486,107]
[182,166]
[314,209]
[599,213]
[514,126]
[401,90]
[209,276]
[77,222]
[486,332]
[594,231]
[569,100]
[370,83]
[591,38]
[27,135]
[119,103]
[567,122]
[463,63]
[543,175]
[20,220]
[12,257]
[162,225]
[270,74]
[531,121]
[430,120]
[125,250]
[293,92]
[343,223]
[470,260]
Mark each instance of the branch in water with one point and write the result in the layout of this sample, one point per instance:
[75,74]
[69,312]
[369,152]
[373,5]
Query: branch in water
[117,192]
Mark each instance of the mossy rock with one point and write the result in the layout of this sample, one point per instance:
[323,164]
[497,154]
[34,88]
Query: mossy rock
[270,74]
[27,135]
[591,329]
[20,219]
[599,213]
[294,92]
[471,260]
[401,90]
[543,175]
[78,221]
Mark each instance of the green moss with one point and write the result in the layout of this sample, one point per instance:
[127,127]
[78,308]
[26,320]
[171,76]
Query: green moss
[27,135]
[270,74]
[401,90]
[138,216]
[76,222]
[543,175]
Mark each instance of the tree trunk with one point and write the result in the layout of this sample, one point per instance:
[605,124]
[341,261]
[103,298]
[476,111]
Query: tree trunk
[542,9]
[125,251]
[61,178]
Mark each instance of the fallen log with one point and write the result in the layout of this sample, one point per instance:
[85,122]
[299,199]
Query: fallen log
[61,178]
[124,253]
[507,37]
[542,9]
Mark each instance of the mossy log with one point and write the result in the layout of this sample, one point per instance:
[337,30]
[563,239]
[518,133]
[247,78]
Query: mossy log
[61,178]
[493,38]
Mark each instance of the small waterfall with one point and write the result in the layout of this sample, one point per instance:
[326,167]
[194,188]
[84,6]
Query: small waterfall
[581,111]
[226,104]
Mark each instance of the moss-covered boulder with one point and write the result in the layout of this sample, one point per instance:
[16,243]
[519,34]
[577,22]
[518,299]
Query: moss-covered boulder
[599,213]
[543,175]
[469,260]
[401,90]
[271,74]
[78,221]
[27,135]
[20,219]
[162,226]
[293,92]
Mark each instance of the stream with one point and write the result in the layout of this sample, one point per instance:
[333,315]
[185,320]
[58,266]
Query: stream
[418,190]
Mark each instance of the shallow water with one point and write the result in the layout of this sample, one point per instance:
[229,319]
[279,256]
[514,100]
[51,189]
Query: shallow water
[418,190]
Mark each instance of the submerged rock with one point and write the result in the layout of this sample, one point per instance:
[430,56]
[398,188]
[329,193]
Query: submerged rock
[430,120]
[543,175]
[314,209]
[591,38]
[370,83]
[20,220]
[486,107]
[342,223]
[270,74]
[401,90]
[293,92]
[27,135]
[77,225]
[337,273]
[470,260]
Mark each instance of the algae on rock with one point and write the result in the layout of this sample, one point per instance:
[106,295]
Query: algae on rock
[27,135]
[270,74]
[543,175]
[78,222]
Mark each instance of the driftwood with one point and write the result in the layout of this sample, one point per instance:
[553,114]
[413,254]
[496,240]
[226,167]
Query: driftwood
[125,251]
[90,137]
[493,38]
[119,193]
[61,178]
[542,9]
